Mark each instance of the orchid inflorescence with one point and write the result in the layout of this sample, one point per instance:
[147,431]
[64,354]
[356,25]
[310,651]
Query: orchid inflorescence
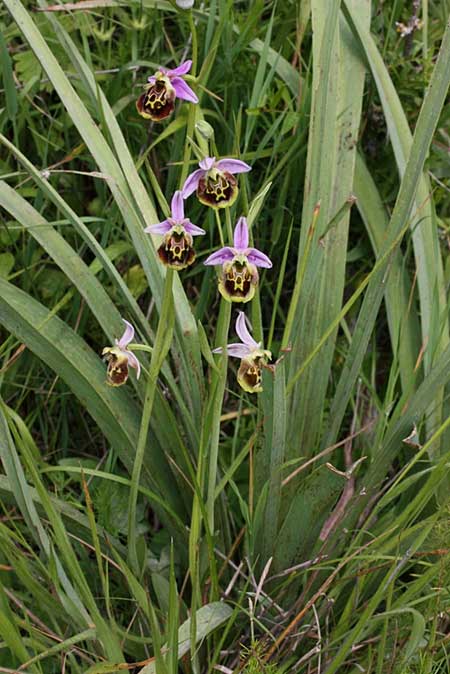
[216,186]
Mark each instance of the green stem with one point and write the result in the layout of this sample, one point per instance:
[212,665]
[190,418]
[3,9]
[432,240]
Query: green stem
[162,345]
[192,111]
[219,227]
[229,226]
[193,28]
[218,386]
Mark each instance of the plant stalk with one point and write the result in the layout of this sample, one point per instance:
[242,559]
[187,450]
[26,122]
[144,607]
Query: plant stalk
[162,345]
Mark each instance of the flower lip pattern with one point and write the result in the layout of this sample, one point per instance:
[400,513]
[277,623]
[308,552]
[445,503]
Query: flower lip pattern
[253,357]
[214,181]
[119,357]
[163,88]
[239,276]
[176,251]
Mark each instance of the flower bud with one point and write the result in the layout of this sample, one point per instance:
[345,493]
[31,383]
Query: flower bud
[204,129]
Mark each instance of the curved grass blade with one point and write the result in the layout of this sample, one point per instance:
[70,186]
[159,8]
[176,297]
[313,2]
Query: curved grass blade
[70,577]
[123,181]
[113,409]
[403,322]
[60,203]
[430,275]
[426,124]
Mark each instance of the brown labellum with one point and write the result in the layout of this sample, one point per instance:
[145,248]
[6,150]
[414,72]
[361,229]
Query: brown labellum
[157,102]
[176,251]
[238,281]
[117,372]
[219,190]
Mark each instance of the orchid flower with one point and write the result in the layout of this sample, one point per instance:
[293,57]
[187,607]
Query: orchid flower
[239,276]
[119,357]
[253,357]
[185,4]
[215,182]
[176,251]
[158,100]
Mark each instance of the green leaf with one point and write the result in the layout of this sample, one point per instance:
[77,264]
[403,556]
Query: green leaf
[309,507]
[271,458]
[208,618]
[66,258]
[403,320]
[112,408]
[6,264]
[428,119]
[334,128]
[423,223]
[8,79]
[122,178]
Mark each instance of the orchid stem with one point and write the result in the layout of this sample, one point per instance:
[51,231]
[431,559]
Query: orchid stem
[229,226]
[221,340]
[219,227]
[192,111]
[193,28]
[161,347]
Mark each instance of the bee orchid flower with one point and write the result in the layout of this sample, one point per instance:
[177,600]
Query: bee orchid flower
[163,88]
[239,276]
[253,357]
[176,250]
[119,358]
[214,181]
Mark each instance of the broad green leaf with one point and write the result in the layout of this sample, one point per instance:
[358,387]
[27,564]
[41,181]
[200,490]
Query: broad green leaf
[208,618]
[336,110]
[271,458]
[425,128]
[307,511]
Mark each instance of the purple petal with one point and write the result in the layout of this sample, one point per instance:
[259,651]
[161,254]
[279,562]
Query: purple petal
[161,228]
[192,229]
[238,350]
[133,362]
[258,258]
[182,69]
[191,183]
[183,90]
[233,166]
[243,333]
[177,206]
[127,336]
[207,163]
[151,79]
[241,234]
[220,256]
